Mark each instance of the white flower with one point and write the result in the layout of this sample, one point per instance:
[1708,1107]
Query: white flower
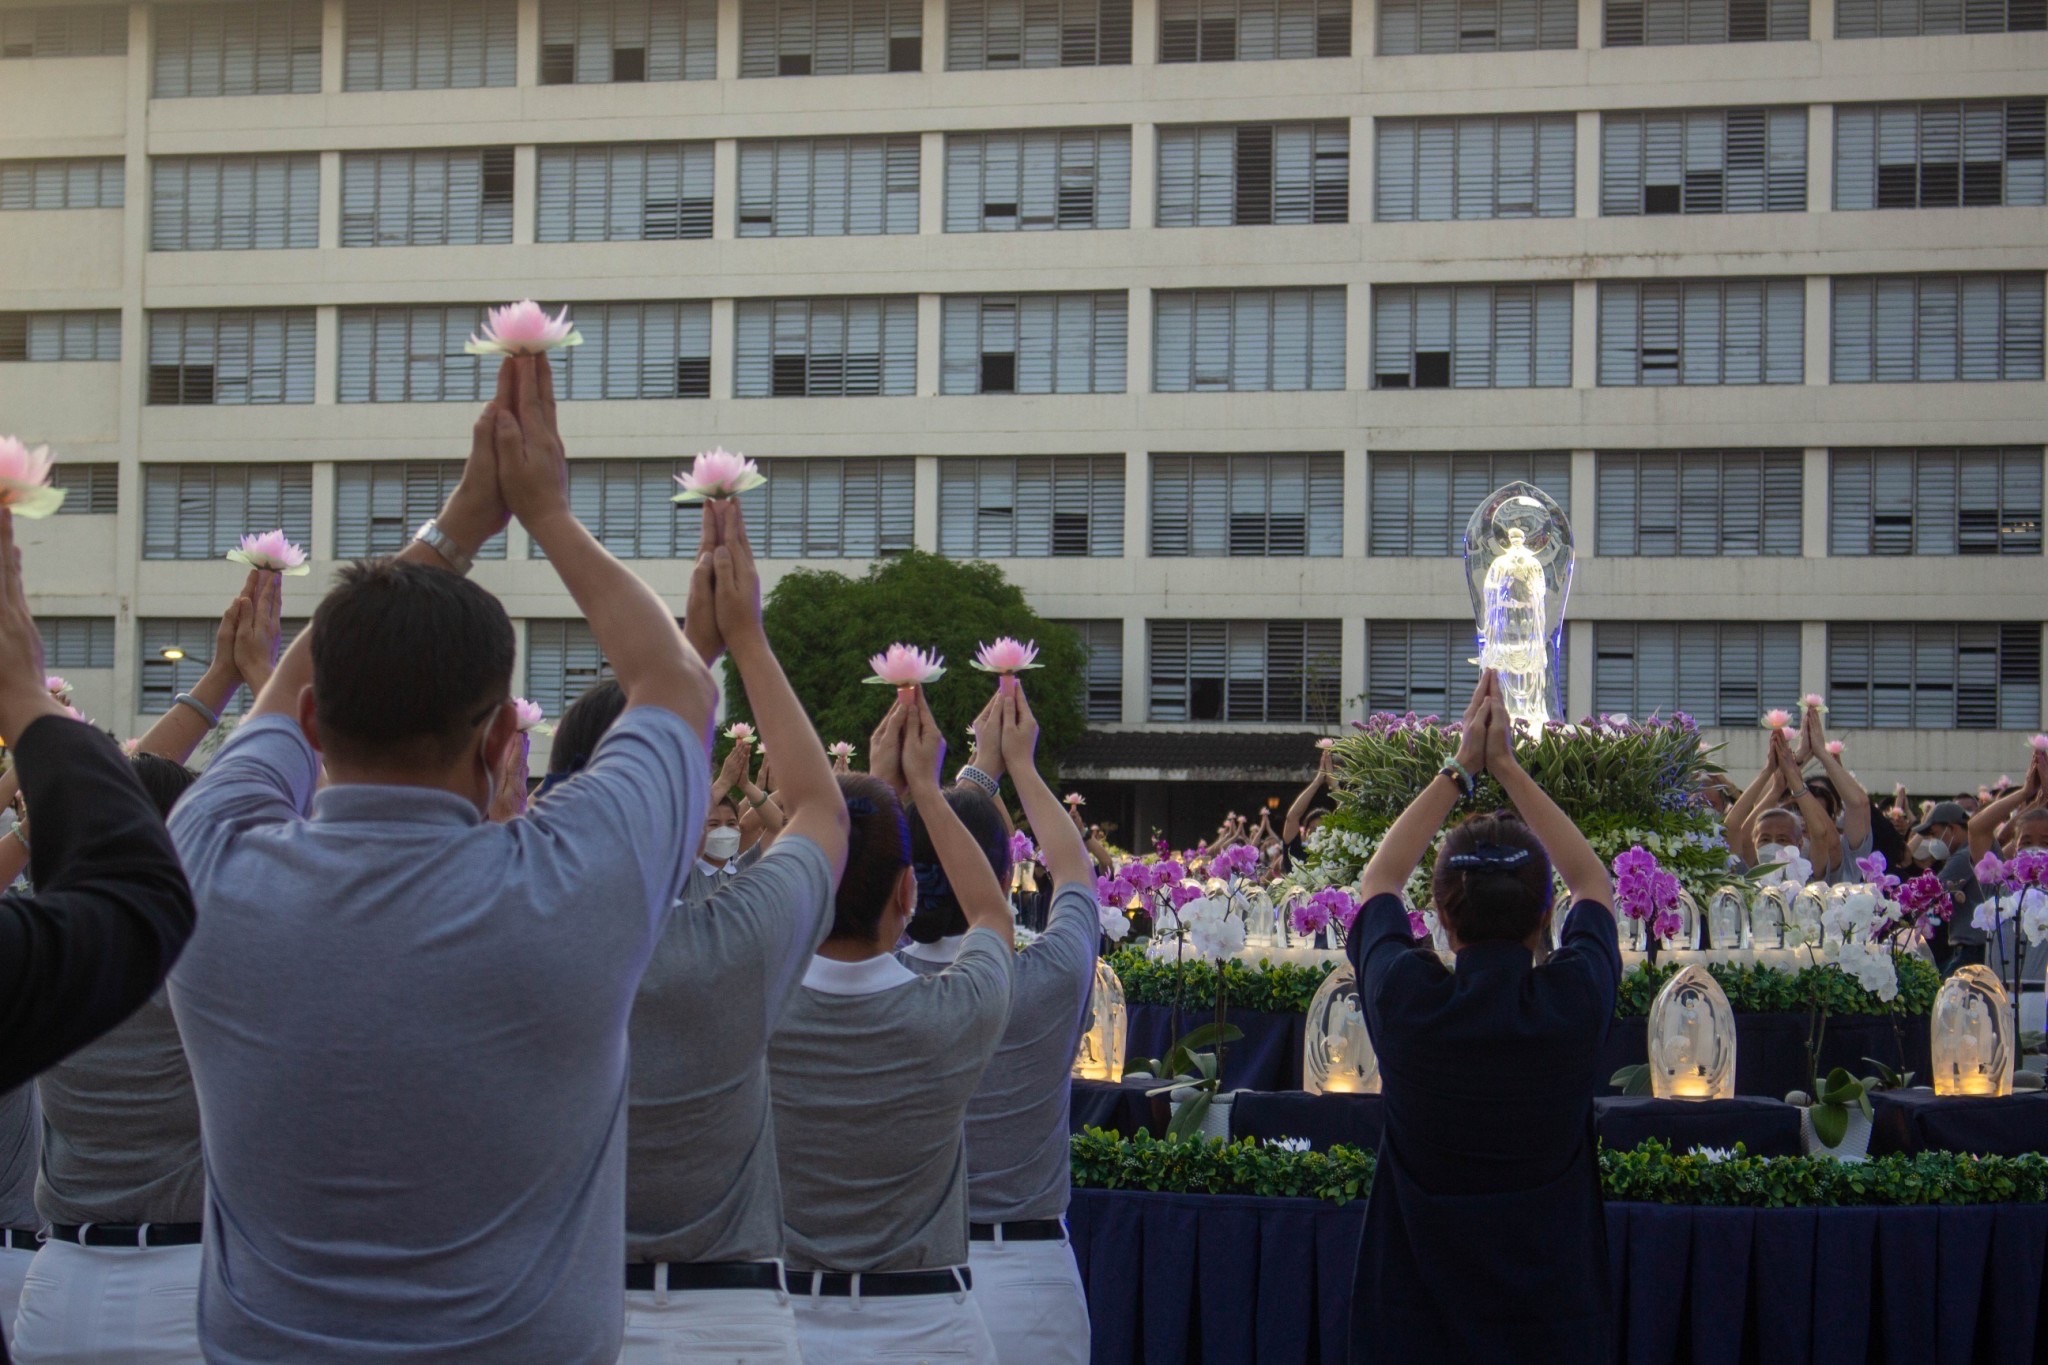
[2034,915]
[1796,871]
[1025,937]
[1850,917]
[1799,933]
[1714,1155]
[1288,1144]
[1872,968]
[1115,924]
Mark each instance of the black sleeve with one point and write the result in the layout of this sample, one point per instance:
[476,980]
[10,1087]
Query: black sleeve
[111,908]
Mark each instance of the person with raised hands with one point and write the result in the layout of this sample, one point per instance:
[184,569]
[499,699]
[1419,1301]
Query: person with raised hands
[872,1069]
[1484,1233]
[407,1025]
[1019,1172]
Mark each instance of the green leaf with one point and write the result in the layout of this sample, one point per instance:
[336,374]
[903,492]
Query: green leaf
[1632,1080]
[1208,1035]
[1187,1121]
[1830,1123]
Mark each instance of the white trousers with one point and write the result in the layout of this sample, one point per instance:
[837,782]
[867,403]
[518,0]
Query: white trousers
[14,1263]
[936,1329]
[1031,1299]
[91,1305]
[709,1327]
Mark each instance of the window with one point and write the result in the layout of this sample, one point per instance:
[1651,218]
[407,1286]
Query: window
[1247,174]
[828,186]
[91,489]
[627,192]
[72,31]
[1268,506]
[79,182]
[1032,507]
[1934,675]
[1907,18]
[1245,670]
[1420,503]
[377,507]
[658,349]
[191,637]
[1421,666]
[1981,501]
[1721,673]
[990,35]
[629,505]
[1703,161]
[1939,155]
[1033,343]
[398,353]
[94,335]
[832,509]
[260,355]
[1247,340]
[1102,644]
[1662,23]
[234,203]
[1411,26]
[201,511]
[1505,166]
[1700,502]
[1472,336]
[826,348]
[240,47]
[1933,328]
[1054,178]
[598,41]
[1253,30]
[457,196]
[1703,332]
[830,37]
[562,663]
[429,44]
[77,641]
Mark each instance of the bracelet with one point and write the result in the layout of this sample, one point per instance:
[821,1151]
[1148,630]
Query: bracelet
[977,777]
[206,712]
[1455,770]
[16,832]
[441,543]
[756,802]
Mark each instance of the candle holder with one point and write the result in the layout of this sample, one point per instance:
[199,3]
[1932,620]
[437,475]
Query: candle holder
[1692,1039]
[1728,918]
[1100,1056]
[1972,1038]
[1337,1056]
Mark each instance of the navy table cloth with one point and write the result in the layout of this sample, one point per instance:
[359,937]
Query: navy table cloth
[1223,1279]
[1920,1121]
[1268,1057]
[1120,1106]
[1764,1127]
[1770,1049]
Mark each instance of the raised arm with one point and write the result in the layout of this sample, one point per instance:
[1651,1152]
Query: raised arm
[974,881]
[1584,875]
[1986,823]
[248,633]
[1412,832]
[1821,834]
[1059,842]
[1855,798]
[1297,814]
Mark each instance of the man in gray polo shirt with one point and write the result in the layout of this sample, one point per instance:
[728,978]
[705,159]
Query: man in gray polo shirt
[407,1026]
[20,1128]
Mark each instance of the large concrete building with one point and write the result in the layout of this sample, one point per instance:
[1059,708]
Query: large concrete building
[1133,297]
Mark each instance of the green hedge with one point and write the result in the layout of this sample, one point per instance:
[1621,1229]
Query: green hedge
[1651,1173]
[1768,990]
[1281,988]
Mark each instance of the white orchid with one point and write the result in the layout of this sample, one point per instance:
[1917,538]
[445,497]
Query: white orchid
[1871,966]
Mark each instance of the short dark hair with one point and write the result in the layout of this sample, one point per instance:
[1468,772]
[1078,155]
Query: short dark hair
[938,910]
[407,661]
[164,780]
[1486,905]
[583,725]
[877,851]
[1823,791]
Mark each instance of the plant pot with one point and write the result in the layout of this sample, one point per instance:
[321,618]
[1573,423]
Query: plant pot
[1215,1123]
[1855,1144]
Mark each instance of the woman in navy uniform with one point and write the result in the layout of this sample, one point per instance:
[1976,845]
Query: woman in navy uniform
[1484,1238]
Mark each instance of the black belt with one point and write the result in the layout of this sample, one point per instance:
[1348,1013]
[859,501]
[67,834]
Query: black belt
[20,1239]
[883,1284]
[1030,1230]
[706,1275]
[127,1234]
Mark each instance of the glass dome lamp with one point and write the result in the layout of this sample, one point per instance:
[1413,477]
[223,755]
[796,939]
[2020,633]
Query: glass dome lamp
[1560,909]
[1688,935]
[1972,1039]
[1261,922]
[1728,918]
[1809,905]
[1100,1056]
[1692,1039]
[1337,1056]
[1769,912]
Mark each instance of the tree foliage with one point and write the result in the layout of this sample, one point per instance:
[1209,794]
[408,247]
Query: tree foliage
[825,625]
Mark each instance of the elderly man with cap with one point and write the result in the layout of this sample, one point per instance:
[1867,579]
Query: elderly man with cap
[1942,841]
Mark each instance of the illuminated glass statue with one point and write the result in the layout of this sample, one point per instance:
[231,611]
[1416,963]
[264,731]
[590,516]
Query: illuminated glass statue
[1518,563]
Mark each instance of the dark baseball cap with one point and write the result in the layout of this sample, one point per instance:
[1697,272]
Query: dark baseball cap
[1944,813]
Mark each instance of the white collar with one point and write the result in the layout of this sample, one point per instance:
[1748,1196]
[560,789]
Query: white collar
[871,976]
[711,870]
[945,950]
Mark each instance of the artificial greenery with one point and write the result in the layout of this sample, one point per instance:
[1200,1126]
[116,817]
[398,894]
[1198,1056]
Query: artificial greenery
[1770,990]
[1280,988]
[1651,1173]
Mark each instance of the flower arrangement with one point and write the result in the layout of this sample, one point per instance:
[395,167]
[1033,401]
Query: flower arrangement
[273,553]
[1007,657]
[25,480]
[717,474]
[1646,893]
[522,328]
[1332,908]
[903,665]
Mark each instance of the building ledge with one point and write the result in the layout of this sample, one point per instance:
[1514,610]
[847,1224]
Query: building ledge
[1191,756]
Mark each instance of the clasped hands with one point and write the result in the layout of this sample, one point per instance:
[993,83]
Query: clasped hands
[1487,743]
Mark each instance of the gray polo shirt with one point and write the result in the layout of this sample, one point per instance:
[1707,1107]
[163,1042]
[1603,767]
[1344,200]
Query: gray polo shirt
[701,1183]
[1018,1162]
[121,1128]
[407,1028]
[704,879]
[20,1131]
[872,1068]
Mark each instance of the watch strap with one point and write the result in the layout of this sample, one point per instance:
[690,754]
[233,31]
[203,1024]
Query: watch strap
[441,543]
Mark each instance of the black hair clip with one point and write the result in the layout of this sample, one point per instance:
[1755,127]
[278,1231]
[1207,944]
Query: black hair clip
[932,884]
[859,807]
[1488,858]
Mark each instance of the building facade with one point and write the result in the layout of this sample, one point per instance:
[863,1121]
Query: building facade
[1141,299]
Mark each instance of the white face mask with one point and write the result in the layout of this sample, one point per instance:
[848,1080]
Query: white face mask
[721,843]
[1934,850]
[1777,853]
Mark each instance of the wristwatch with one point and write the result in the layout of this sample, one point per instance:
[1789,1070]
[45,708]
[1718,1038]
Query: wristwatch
[1467,784]
[441,543]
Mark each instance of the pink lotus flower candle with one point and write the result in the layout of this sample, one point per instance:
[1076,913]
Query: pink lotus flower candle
[1777,718]
[840,749]
[57,687]
[1076,799]
[523,328]
[719,474]
[1813,702]
[272,553]
[25,480]
[531,721]
[1326,744]
[1835,747]
[1007,657]
[739,732]
[903,665]
[2040,743]
[131,746]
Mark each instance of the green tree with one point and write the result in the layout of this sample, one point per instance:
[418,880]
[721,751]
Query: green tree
[825,626]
